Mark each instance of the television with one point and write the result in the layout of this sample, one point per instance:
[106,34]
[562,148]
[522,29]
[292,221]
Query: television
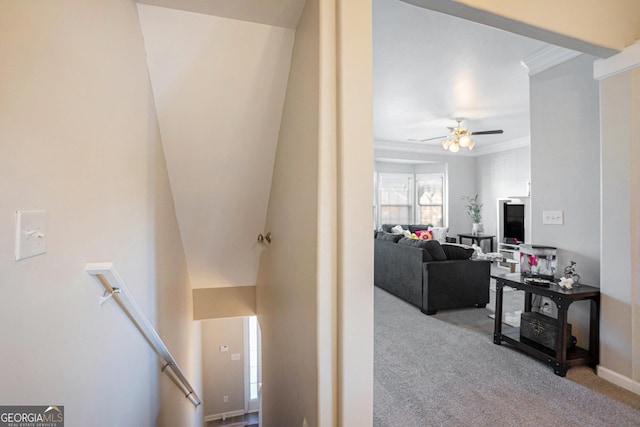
[513,223]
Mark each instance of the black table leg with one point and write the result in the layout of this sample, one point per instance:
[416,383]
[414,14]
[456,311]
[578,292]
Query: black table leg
[561,365]
[594,333]
[497,330]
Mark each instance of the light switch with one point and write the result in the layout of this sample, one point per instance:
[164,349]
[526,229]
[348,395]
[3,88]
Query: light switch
[31,233]
[224,348]
[553,217]
[235,356]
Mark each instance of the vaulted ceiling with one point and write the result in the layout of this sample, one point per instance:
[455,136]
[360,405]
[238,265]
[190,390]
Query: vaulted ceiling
[278,13]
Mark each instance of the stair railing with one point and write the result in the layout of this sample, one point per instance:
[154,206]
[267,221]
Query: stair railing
[115,289]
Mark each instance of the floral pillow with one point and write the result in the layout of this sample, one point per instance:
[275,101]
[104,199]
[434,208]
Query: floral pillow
[423,235]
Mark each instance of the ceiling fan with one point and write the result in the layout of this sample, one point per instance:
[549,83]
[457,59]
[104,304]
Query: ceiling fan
[460,137]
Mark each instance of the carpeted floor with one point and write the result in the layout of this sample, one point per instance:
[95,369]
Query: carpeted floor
[430,372]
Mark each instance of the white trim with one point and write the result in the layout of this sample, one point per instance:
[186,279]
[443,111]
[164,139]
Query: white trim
[230,414]
[546,58]
[503,146]
[245,336]
[618,379]
[416,147]
[623,61]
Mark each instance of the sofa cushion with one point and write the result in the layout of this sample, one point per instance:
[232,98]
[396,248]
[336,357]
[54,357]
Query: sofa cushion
[388,236]
[431,247]
[411,227]
[387,227]
[417,227]
[456,251]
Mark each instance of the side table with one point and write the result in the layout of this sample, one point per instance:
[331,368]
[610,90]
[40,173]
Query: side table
[478,238]
[561,358]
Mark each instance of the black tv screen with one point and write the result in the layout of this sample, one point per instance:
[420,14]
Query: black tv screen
[514,222]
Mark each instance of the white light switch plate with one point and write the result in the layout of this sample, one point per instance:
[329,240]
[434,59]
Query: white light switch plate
[224,348]
[235,356]
[31,233]
[553,217]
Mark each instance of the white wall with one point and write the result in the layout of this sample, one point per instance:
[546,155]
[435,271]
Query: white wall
[79,139]
[223,376]
[620,95]
[219,87]
[354,160]
[500,176]
[565,171]
[287,288]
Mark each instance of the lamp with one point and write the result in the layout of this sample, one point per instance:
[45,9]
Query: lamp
[459,137]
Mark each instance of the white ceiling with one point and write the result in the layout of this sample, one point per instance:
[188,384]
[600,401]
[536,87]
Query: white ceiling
[278,13]
[429,68]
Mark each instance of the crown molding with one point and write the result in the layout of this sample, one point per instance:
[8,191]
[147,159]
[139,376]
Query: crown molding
[623,61]
[418,148]
[546,58]
[503,146]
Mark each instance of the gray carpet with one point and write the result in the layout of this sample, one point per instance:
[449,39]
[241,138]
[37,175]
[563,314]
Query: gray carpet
[428,372]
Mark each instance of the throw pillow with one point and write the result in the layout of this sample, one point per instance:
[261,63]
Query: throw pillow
[440,233]
[435,249]
[456,251]
[420,244]
[431,246]
[397,229]
[424,235]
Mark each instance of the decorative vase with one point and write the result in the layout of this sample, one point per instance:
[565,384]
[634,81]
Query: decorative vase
[477,228]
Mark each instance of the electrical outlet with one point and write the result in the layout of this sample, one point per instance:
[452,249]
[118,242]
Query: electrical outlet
[225,399]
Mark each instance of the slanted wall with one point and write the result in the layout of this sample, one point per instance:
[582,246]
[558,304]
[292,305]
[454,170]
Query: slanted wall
[286,292]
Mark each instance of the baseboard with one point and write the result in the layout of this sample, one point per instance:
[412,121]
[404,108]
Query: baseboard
[618,379]
[230,414]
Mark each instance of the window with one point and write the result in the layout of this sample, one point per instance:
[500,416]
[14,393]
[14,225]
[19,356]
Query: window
[409,198]
[394,196]
[430,197]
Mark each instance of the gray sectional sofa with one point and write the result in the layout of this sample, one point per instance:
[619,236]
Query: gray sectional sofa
[429,275]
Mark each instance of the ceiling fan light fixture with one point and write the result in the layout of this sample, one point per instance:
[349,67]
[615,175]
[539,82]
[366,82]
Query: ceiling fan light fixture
[464,141]
[446,143]
[455,147]
[471,145]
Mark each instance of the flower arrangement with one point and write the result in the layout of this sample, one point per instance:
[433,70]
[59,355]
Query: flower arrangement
[474,208]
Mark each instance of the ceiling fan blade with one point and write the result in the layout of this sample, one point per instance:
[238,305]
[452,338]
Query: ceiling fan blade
[488,132]
[428,139]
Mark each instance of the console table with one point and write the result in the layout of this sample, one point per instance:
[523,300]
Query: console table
[478,238]
[561,358]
